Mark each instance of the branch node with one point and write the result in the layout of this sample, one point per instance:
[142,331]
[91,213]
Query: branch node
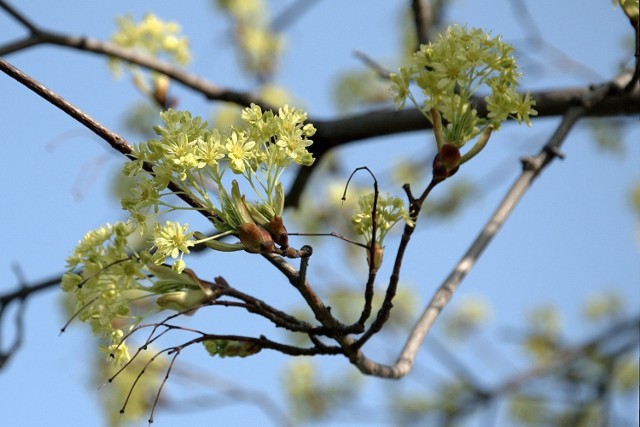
[554,151]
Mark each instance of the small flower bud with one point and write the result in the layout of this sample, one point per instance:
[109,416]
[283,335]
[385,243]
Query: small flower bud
[278,231]
[255,238]
[446,162]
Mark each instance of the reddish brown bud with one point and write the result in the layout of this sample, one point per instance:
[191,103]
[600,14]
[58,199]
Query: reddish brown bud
[446,162]
[278,231]
[255,238]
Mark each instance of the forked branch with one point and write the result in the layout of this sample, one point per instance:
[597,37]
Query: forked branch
[532,167]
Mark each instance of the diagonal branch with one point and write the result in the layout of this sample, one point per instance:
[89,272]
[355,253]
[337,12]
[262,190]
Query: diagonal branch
[15,14]
[116,141]
[39,36]
[531,169]
[332,132]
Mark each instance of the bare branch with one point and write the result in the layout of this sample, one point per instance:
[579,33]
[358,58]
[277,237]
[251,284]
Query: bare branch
[18,17]
[627,327]
[19,296]
[382,72]
[292,13]
[537,41]
[227,388]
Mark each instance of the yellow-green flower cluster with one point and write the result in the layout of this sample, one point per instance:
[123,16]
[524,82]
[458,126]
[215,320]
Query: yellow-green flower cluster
[103,278]
[389,211]
[109,281]
[258,45]
[460,65]
[172,240]
[197,158]
[153,37]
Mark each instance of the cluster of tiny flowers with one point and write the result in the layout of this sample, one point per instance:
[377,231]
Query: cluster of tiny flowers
[258,45]
[172,240]
[197,158]
[153,37]
[389,211]
[454,69]
[108,278]
[109,281]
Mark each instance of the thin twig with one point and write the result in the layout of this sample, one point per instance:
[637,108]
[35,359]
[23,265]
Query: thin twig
[382,72]
[531,168]
[358,326]
[564,356]
[40,36]
[20,296]
[116,141]
[537,41]
[18,16]
[196,375]
[291,14]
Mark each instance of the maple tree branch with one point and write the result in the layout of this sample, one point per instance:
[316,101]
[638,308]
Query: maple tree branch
[532,167]
[40,36]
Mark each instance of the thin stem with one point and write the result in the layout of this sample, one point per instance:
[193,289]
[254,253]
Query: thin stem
[531,169]
[19,17]
[113,139]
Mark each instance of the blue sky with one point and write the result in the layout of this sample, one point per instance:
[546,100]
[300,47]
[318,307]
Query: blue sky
[572,236]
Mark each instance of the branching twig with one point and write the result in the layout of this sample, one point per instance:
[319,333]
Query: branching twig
[39,36]
[531,168]
[537,41]
[116,141]
[564,356]
[358,326]
[20,296]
